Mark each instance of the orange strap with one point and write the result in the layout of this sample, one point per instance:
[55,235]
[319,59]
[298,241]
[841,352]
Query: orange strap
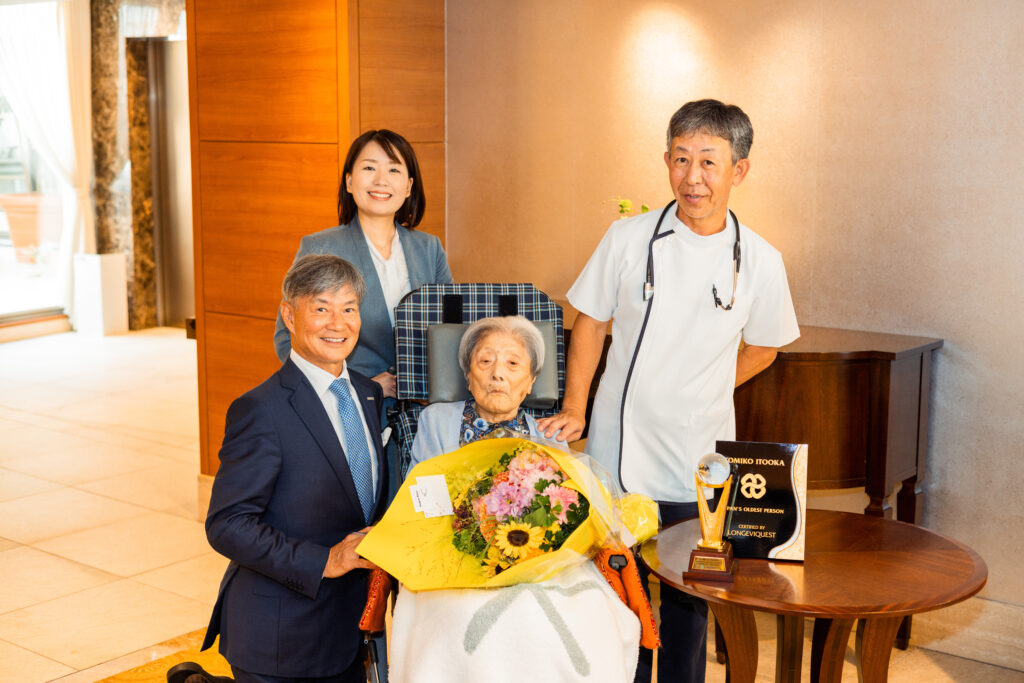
[626,583]
[377,593]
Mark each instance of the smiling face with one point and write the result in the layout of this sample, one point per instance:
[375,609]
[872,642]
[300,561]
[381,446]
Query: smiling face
[378,184]
[702,173]
[499,376]
[324,327]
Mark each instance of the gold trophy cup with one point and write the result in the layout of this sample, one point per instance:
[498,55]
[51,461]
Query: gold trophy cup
[712,559]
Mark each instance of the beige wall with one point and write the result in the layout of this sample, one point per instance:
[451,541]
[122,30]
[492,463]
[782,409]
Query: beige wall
[886,167]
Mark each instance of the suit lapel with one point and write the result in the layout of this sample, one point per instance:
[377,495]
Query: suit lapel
[310,409]
[415,261]
[361,259]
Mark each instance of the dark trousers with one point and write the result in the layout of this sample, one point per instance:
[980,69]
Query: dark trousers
[684,622]
[353,674]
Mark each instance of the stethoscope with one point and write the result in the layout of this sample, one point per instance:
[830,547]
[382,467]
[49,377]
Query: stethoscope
[649,281]
[648,295]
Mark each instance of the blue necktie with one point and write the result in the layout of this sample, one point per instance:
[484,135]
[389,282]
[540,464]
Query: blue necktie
[355,445]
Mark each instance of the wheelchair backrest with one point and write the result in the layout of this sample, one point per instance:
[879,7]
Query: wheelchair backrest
[462,304]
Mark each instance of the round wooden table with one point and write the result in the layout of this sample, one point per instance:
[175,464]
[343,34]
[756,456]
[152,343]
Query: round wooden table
[855,567]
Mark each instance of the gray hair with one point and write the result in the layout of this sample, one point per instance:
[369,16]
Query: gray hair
[711,117]
[515,325]
[315,274]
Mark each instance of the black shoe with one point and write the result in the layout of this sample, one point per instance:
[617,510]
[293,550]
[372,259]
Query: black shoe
[190,672]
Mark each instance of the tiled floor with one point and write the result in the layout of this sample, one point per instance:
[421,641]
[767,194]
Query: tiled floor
[101,557]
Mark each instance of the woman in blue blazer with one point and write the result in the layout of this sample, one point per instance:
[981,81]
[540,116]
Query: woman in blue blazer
[380,203]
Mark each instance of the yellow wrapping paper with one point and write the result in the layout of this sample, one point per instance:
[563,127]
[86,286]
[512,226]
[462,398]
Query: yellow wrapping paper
[418,551]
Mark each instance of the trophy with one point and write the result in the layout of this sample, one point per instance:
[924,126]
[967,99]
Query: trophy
[712,559]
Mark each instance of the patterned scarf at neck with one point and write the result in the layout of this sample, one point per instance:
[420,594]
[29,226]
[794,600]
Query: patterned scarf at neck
[475,427]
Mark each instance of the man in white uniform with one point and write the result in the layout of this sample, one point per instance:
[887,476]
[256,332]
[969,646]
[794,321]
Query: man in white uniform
[682,287]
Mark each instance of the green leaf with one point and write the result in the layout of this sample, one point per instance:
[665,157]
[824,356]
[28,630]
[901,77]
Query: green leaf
[538,517]
[470,541]
[543,484]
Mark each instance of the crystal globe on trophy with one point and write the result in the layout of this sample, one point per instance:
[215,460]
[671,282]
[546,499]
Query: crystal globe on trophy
[712,559]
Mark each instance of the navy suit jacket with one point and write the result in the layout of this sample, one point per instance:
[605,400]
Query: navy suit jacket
[425,261]
[282,497]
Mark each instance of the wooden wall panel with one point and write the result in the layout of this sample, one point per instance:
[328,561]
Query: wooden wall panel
[401,68]
[267,70]
[258,202]
[432,166]
[239,356]
[277,91]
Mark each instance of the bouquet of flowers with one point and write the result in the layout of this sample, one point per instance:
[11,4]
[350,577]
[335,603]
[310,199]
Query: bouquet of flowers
[518,509]
[498,512]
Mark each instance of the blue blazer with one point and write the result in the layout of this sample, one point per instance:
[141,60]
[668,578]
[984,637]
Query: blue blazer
[282,497]
[427,265]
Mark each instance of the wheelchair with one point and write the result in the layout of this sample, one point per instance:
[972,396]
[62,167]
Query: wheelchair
[429,323]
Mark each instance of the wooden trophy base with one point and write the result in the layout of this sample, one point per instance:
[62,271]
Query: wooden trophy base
[711,565]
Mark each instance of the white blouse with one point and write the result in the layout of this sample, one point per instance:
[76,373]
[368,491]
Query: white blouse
[392,272]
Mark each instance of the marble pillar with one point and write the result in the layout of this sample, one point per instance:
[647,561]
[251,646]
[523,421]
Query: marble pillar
[113,21]
[142,272]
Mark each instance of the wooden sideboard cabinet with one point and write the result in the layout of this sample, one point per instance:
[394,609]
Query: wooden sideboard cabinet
[860,402]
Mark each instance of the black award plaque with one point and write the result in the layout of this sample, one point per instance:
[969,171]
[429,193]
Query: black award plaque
[768,507]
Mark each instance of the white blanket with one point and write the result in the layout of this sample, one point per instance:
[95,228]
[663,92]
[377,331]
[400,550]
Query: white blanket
[570,628]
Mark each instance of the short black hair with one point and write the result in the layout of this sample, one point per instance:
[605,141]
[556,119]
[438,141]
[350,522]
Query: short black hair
[398,149]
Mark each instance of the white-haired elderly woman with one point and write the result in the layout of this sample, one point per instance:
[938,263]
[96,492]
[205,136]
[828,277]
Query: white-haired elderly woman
[501,358]
[572,627]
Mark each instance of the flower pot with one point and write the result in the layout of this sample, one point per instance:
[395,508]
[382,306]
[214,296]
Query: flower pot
[34,219]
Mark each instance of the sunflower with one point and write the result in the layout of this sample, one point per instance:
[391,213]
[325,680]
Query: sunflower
[495,563]
[516,539]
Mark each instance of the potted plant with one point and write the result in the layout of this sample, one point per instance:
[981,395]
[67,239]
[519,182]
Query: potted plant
[33,218]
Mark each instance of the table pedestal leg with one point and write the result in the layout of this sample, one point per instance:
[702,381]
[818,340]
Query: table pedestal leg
[740,633]
[874,645]
[789,648]
[828,649]
[903,636]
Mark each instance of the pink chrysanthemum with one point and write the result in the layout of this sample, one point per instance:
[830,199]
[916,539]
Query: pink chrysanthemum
[508,499]
[527,468]
[560,496]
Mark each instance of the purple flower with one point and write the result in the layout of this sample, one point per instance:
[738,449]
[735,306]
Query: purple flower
[508,499]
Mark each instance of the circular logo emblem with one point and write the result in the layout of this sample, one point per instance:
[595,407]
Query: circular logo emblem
[752,485]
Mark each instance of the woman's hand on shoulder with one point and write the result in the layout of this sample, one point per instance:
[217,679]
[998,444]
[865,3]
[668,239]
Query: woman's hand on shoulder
[387,382]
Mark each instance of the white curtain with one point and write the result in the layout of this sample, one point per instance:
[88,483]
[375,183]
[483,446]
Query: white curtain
[45,73]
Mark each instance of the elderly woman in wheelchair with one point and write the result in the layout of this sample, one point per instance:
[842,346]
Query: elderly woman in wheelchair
[572,627]
[500,358]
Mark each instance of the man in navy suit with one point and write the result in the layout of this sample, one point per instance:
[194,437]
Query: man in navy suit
[300,479]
